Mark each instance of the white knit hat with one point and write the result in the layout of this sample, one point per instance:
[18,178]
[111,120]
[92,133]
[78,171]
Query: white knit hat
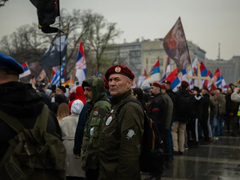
[77,106]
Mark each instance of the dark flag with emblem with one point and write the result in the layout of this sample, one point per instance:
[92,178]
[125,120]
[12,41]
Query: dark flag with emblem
[57,51]
[175,45]
[47,11]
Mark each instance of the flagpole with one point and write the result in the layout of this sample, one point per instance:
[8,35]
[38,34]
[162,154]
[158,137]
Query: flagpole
[74,72]
[60,49]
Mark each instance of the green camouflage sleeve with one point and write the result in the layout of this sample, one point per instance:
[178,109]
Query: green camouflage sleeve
[90,155]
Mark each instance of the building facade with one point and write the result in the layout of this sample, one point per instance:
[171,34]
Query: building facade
[130,54]
[141,55]
[230,69]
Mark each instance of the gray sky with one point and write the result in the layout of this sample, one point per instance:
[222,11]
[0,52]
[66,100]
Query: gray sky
[206,22]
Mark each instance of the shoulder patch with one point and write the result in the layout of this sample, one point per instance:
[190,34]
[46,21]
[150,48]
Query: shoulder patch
[95,113]
[130,134]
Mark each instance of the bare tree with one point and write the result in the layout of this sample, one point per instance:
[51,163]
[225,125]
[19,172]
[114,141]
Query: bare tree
[28,43]
[99,35]
[79,24]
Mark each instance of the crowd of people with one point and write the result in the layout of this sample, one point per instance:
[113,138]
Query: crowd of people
[104,142]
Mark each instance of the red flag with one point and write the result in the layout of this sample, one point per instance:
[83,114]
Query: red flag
[175,45]
[122,63]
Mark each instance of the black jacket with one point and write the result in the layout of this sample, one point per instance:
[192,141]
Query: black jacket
[197,106]
[179,114]
[171,95]
[205,106]
[231,107]
[22,102]
[157,111]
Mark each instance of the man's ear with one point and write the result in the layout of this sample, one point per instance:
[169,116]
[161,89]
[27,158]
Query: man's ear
[130,82]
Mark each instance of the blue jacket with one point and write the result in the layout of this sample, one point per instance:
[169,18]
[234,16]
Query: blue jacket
[80,129]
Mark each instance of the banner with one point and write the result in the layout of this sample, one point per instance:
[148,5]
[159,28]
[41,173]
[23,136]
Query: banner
[175,45]
[57,51]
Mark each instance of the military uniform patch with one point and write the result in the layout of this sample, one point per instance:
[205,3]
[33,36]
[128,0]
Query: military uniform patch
[109,120]
[95,113]
[130,134]
[91,131]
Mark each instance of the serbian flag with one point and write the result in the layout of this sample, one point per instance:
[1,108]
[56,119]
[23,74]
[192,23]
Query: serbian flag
[204,73]
[208,83]
[153,75]
[223,82]
[26,70]
[81,67]
[217,78]
[176,78]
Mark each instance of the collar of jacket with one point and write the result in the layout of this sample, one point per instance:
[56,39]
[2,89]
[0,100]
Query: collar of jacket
[159,94]
[116,100]
[169,90]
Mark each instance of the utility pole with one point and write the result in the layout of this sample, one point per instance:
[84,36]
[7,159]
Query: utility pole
[219,57]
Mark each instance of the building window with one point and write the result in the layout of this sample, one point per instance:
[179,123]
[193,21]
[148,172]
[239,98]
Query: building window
[147,64]
[161,62]
[153,60]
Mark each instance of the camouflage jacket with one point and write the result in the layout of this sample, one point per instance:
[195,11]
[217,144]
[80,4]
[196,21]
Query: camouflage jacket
[99,106]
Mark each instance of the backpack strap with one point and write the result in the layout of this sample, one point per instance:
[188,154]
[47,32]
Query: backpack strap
[42,118]
[11,121]
[119,107]
[17,126]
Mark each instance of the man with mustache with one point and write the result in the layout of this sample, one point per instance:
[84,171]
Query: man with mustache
[95,95]
[121,136]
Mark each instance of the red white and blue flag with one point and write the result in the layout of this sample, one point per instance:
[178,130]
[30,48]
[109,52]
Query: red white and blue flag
[176,78]
[81,67]
[167,69]
[208,83]
[153,75]
[26,70]
[217,78]
[204,73]
[223,82]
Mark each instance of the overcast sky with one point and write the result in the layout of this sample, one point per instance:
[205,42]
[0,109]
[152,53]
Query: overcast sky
[206,22]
